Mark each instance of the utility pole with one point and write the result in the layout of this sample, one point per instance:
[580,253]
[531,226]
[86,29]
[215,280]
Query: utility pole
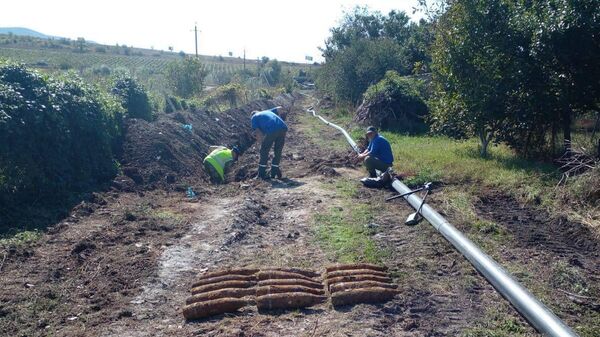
[196,37]
[244,59]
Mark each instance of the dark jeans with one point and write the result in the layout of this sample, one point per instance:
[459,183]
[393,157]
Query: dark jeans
[372,164]
[277,138]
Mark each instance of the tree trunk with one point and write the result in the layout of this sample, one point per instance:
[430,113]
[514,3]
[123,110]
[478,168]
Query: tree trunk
[553,139]
[566,126]
[484,143]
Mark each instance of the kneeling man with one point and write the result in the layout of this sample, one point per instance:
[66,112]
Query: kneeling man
[378,155]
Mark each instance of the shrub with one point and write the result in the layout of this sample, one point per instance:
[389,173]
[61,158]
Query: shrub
[230,94]
[186,77]
[395,102]
[349,73]
[133,96]
[56,138]
[102,70]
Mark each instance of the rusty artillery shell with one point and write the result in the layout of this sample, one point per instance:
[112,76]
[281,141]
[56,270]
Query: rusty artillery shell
[355,266]
[355,278]
[359,285]
[222,285]
[221,293]
[288,301]
[260,291]
[367,295]
[290,282]
[276,274]
[222,278]
[213,307]
[231,271]
[304,272]
[350,272]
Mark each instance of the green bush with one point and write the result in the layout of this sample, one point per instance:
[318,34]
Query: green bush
[395,102]
[56,138]
[351,71]
[229,95]
[186,77]
[133,96]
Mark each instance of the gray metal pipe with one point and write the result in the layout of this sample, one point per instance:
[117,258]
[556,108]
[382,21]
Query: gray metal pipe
[530,307]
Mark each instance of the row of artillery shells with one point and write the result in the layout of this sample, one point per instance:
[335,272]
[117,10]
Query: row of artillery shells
[228,290]
[358,283]
[285,289]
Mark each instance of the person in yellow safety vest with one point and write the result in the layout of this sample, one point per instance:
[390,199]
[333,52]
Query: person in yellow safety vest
[218,162]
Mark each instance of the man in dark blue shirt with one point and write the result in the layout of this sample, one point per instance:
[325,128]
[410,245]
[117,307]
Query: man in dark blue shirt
[269,129]
[378,155]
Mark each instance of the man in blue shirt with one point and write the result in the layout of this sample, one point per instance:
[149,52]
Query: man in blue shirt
[269,129]
[378,155]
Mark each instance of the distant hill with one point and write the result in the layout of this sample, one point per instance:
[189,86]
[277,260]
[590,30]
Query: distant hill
[24,32]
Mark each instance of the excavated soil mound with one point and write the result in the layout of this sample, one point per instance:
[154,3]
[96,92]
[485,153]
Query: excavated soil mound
[168,153]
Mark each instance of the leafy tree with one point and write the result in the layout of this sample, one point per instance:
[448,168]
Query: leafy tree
[367,44]
[133,96]
[473,62]
[515,71]
[565,44]
[186,77]
[80,44]
[349,73]
[272,72]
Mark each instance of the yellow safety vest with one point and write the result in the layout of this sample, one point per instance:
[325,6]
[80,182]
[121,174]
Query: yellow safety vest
[218,159]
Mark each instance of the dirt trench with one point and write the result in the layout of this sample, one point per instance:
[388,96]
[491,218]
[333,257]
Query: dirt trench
[123,265]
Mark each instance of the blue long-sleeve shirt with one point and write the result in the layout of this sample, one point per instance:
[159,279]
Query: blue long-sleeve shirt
[267,122]
[381,149]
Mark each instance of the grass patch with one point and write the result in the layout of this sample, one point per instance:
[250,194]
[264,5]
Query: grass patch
[498,328]
[342,233]
[454,162]
[460,203]
[166,215]
[20,239]
[346,188]
[324,135]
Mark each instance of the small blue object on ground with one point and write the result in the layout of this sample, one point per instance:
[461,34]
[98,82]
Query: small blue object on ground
[190,193]
[187,127]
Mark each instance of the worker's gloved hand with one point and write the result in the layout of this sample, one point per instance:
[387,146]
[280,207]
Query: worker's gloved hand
[276,172]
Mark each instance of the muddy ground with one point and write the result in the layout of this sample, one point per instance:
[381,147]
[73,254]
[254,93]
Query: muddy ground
[123,264]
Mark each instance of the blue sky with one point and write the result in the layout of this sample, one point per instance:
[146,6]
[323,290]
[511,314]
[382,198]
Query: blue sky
[286,30]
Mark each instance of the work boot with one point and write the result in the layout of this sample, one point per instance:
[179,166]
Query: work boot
[262,173]
[275,172]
